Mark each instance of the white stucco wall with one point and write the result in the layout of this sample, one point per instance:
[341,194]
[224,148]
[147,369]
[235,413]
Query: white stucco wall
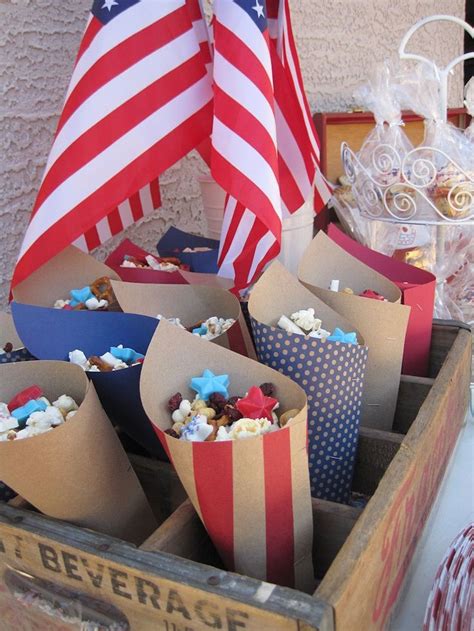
[339,40]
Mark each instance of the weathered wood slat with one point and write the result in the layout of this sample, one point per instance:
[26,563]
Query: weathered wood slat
[375,451]
[411,394]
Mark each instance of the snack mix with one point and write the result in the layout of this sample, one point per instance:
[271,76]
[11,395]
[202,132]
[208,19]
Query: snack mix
[159,264]
[367,293]
[304,322]
[205,329]
[214,416]
[99,296]
[116,358]
[30,413]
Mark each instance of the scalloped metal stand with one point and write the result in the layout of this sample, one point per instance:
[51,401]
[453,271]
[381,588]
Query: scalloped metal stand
[400,188]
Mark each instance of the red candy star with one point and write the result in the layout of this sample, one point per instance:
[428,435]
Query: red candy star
[370,293]
[256,404]
[33,392]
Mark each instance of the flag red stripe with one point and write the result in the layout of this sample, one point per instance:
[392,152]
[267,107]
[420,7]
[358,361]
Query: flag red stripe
[246,191]
[93,208]
[205,52]
[136,206]
[279,508]
[118,123]
[213,475]
[92,29]
[155,193]
[245,60]
[123,56]
[244,124]
[115,222]
[92,238]
[290,193]
[194,10]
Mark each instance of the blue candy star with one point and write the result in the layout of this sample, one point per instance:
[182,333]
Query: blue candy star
[80,295]
[210,383]
[201,330]
[338,335]
[21,414]
[127,355]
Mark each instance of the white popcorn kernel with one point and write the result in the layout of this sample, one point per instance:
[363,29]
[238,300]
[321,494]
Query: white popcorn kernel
[109,359]
[306,320]
[93,304]
[55,415]
[249,427]
[70,414]
[185,407]
[222,434]
[121,365]
[78,357]
[38,422]
[178,417]
[4,411]
[60,304]
[287,325]
[8,423]
[65,404]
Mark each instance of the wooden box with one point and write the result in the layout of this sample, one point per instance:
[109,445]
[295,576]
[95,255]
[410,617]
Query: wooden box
[58,577]
[352,127]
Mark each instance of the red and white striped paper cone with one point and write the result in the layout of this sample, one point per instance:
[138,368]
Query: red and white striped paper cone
[252,495]
[191,304]
[451,601]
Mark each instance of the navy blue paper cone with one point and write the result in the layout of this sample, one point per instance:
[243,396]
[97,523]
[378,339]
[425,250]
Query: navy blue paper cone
[174,241]
[331,373]
[53,333]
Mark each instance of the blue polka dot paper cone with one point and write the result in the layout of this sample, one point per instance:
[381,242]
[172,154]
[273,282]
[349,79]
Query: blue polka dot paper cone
[191,304]
[331,373]
[9,339]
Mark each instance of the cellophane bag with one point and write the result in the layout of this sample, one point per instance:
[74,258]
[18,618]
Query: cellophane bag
[469,104]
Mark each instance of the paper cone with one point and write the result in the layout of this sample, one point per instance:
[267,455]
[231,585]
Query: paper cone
[191,304]
[174,241]
[252,495]
[77,472]
[138,275]
[418,291]
[70,269]
[382,324]
[94,333]
[331,374]
[8,334]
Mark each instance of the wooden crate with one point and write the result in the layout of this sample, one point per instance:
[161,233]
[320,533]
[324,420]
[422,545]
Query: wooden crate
[352,127]
[52,573]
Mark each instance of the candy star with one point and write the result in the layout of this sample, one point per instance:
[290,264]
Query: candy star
[201,330]
[256,405]
[210,383]
[80,295]
[338,335]
[370,293]
[23,412]
[33,392]
[127,355]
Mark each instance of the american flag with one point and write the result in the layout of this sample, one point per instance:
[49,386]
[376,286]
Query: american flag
[244,139]
[246,246]
[140,98]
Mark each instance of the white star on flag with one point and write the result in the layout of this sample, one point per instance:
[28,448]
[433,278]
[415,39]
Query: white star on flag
[108,4]
[259,9]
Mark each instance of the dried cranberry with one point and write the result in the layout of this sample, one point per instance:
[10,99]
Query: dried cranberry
[174,402]
[233,400]
[217,401]
[232,413]
[8,347]
[172,433]
[268,389]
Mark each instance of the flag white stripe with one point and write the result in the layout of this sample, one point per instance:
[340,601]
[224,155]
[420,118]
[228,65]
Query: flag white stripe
[240,88]
[103,229]
[115,158]
[241,235]
[291,154]
[248,161]
[122,88]
[146,200]
[322,187]
[81,243]
[123,26]
[261,250]
[125,212]
[235,20]
[228,214]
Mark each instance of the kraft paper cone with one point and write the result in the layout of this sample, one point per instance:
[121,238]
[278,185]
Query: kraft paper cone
[137,275]
[77,472]
[8,334]
[94,333]
[191,304]
[252,495]
[331,374]
[174,241]
[382,324]
[70,269]
[418,291]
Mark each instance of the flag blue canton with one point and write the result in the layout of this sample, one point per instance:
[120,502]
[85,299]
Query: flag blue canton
[106,10]
[257,10]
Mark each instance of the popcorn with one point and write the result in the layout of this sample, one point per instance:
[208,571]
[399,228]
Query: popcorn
[306,320]
[35,417]
[93,304]
[289,326]
[205,329]
[159,264]
[78,357]
[217,417]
